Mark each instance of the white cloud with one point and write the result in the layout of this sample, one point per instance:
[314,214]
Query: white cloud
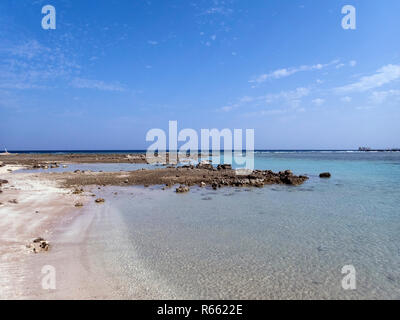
[95,84]
[379,97]
[346,99]
[318,102]
[291,98]
[353,63]
[227,108]
[285,72]
[383,76]
[219,10]
[152,42]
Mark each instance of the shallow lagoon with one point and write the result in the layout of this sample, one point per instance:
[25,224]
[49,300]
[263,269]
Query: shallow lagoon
[276,242]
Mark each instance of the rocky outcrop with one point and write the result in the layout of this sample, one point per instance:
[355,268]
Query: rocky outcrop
[185,177]
[325,175]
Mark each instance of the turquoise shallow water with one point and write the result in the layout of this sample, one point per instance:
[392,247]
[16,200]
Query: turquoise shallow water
[276,242]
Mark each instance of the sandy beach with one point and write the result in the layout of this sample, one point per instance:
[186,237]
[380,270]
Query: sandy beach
[35,207]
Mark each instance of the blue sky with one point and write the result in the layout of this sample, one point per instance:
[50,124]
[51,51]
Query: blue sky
[112,70]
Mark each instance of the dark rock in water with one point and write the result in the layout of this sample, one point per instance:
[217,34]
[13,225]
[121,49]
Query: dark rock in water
[215,185]
[79,204]
[13,201]
[224,167]
[77,191]
[99,200]
[3,182]
[325,175]
[38,245]
[182,189]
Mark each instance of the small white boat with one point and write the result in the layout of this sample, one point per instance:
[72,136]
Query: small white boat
[5,152]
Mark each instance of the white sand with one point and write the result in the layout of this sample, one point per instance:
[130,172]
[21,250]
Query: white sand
[43,210]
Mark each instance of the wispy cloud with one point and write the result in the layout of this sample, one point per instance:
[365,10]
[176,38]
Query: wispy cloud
[378,97]
[152,42]
[351,63]
[286,72]
[346,99]
[219,10]
[288,98]
[30,65]
[96,84]
[318,102]
[384,75]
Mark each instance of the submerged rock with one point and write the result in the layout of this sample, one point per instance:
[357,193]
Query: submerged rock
[77,191]
[38,245]
[182,189]
[325,175]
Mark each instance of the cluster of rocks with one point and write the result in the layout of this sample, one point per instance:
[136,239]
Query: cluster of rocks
[182,189]
[38,245]
[37,165]
[78,191]
[225,177]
